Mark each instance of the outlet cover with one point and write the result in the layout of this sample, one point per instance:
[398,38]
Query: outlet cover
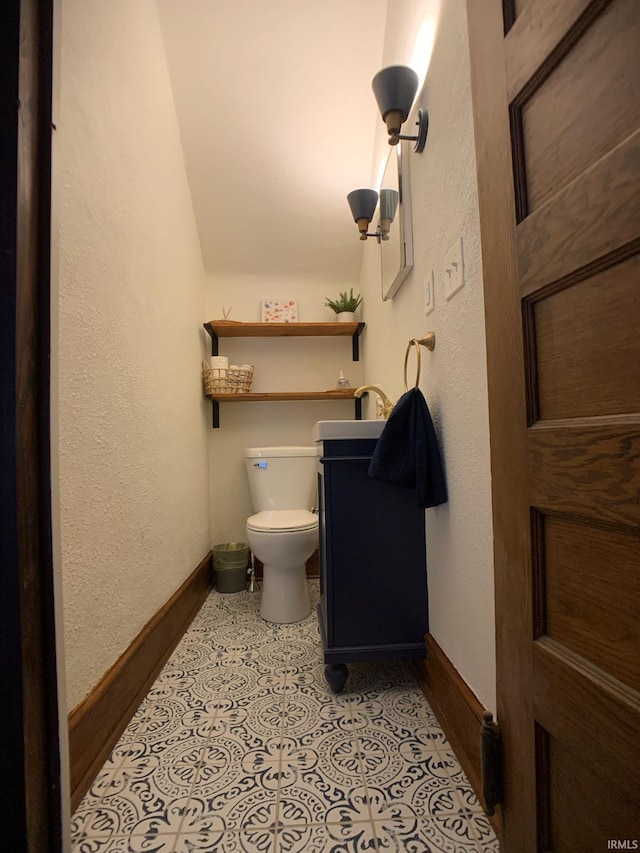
[453,274]
[429,293]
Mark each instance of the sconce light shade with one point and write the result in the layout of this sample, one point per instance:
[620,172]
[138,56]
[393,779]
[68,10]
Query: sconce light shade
[394,89]
[388,204]
[363,205]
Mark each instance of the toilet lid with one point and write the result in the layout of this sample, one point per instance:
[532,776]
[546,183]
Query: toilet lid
[283,519]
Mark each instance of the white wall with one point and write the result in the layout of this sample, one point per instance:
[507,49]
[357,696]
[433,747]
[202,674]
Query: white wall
[281,364]
[132,423]
[444,202]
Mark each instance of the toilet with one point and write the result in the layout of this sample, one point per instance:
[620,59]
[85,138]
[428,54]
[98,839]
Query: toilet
[283,533]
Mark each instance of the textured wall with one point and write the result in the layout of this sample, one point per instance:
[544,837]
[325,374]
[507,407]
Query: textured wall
[132,423]
[444,202]
[281,364]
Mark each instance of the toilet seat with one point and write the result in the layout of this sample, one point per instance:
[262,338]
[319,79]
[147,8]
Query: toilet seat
[282,520]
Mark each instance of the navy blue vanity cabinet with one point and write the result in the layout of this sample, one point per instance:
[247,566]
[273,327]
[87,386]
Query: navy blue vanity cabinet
[373,577]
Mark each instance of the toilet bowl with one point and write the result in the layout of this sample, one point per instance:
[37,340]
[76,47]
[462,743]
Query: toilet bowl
[283,533]
[283,540]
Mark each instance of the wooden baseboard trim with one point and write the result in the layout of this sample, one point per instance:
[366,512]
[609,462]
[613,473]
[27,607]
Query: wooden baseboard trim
[458,709]
[98,721]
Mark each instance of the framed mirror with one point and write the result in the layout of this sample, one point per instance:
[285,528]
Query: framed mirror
[394,221]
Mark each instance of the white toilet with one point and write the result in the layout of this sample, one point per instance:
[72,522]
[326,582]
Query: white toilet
[283,533]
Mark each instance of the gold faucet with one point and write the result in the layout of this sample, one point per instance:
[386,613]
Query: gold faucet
[387,405]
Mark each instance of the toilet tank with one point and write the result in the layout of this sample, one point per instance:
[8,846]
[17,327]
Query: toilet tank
[281,477]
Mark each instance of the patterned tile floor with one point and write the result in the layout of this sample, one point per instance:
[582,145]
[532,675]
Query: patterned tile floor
[241,746]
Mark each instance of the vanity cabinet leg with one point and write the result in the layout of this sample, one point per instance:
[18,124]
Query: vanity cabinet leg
[336,675]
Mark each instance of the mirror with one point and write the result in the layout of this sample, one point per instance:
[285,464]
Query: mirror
[396,245]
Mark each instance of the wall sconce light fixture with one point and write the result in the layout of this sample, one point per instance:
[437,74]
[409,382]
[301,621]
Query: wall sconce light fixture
[394,89]
[363,205]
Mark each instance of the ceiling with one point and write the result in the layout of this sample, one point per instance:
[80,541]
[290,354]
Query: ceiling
[277,121]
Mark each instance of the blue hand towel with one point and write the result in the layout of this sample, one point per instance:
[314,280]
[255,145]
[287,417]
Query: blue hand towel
[407,452]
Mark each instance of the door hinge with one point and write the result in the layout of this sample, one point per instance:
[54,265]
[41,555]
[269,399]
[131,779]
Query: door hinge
[491,764]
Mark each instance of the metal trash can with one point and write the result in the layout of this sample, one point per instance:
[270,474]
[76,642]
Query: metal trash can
[230,562]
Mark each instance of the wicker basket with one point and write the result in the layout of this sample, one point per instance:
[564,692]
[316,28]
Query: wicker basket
[232,380]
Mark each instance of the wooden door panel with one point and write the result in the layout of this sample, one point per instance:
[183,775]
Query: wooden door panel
[587,467]
[520,5]
[595,216]
[588,345]
[572,785]
[538,30]
[593,714]
[554,117]
[590,594]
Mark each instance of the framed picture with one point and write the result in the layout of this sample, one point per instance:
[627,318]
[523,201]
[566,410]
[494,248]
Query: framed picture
[279,311]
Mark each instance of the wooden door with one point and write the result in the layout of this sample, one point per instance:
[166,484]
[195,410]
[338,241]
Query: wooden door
[30,786]
[556,88]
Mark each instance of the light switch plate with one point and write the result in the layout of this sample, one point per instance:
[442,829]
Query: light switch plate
[429,293]
[453,274]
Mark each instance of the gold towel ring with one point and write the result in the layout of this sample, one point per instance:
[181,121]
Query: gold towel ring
[429,341]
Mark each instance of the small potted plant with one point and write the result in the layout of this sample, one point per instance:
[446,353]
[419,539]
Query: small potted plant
[344,306]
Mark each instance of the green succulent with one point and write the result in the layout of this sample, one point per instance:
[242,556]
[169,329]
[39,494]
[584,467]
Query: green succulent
[345,302]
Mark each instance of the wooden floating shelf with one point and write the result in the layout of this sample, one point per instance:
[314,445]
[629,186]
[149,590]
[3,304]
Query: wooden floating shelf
[291,396]
[336,394]
[227,329]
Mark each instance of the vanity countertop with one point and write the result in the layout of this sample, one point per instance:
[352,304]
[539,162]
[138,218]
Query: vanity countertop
[335,430]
